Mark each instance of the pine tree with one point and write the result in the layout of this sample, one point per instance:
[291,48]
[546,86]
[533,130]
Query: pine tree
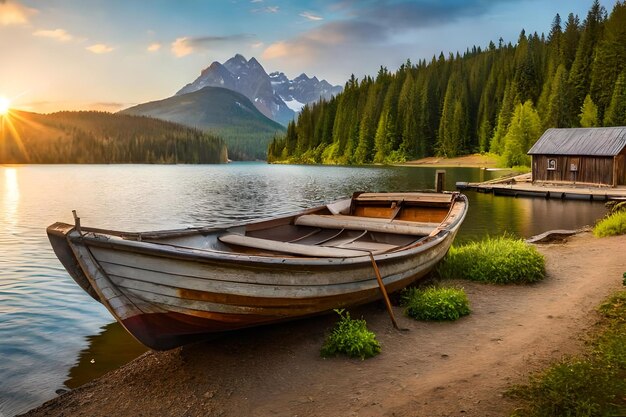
[558,106]
[407,123]
[580,75]
[523,132]
[616,113]
[291,139]
[380,141]
[610,58]
[570,39]
[504,118]
[367,130]
[484,134]
[588,113]
[453,124]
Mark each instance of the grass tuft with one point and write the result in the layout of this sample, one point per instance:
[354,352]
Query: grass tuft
[500,260]
[614,224]
[351,337]
[590,385]
[435,303]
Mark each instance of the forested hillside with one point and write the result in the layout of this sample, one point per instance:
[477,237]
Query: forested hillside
[497,99]
[225,113]
[98,137]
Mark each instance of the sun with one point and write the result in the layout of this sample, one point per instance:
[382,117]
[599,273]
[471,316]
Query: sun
[5,105]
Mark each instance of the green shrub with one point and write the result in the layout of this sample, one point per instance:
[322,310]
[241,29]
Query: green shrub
[615,306]
[614,224]
[591,385]
[500,260]
[435,303]
[352,338]
[615,206]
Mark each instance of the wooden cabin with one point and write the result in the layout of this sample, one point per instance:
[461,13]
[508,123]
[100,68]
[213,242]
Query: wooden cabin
[593,156]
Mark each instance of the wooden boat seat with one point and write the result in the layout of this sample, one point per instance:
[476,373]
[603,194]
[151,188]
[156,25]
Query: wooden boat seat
[371,224]
[291,248]
[374,247]
[406,197]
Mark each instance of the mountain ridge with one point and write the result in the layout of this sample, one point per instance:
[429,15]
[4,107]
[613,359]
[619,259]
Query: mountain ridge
[274,95]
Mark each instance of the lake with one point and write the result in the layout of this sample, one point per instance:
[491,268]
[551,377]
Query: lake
[54,336]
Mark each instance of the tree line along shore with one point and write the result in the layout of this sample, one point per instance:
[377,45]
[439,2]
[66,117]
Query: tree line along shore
[498,99]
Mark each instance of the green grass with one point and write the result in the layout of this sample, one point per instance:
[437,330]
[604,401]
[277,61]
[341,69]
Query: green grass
[590,385]
[500,260]
[614,224]
[351,337]
[434,303]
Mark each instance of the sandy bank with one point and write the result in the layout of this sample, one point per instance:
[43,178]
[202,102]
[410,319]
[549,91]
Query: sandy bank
[434,369]
[468,161]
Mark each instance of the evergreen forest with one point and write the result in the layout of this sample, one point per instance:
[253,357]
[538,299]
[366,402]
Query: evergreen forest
[88,137]
[499,99]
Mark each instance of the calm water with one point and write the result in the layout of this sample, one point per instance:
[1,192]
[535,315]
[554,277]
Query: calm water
[54,336]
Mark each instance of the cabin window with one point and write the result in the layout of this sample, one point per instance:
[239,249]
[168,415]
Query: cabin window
[573,164]
[551,164]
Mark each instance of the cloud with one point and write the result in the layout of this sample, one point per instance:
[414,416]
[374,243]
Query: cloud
[153,47]
[100,48]
[60,35]
[369,24]
[181,47]
[256,1]
[419,14]
[15,14]
[268,9]
[332,34]
[186,45]
[278,50]
[311,16]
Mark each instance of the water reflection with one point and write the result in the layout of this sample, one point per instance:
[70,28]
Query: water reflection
[109,349]
[10,197]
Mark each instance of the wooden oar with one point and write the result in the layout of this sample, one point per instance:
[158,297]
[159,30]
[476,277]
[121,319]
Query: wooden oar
[383,290]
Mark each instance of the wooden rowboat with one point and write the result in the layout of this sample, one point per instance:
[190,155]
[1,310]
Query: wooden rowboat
[169,287]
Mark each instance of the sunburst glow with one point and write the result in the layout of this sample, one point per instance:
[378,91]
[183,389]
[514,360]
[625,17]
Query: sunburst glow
[5,105]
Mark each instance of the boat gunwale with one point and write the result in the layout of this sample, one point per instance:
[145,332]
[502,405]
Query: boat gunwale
[116,241]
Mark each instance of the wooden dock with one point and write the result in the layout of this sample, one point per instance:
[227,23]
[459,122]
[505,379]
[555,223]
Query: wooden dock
[521,186]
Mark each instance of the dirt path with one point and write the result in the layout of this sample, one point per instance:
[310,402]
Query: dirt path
[434,369]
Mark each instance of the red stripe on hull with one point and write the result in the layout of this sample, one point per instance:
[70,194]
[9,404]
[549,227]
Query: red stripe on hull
[162,331]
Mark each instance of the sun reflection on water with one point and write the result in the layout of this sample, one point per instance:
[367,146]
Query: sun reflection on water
[10,196]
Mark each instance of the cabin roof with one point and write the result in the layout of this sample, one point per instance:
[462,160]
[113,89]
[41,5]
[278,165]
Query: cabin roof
[591,141]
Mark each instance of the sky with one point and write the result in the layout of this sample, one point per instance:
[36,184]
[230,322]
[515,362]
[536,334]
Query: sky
[112,54]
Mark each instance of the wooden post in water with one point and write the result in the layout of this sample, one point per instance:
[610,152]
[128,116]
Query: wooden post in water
[440,180]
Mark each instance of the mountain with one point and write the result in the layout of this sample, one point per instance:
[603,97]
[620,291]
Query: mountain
[89,137]
[302,89]
[274,95]
[222,111]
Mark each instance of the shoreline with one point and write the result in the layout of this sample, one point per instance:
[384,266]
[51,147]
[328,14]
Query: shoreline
[433,369]
[466,161]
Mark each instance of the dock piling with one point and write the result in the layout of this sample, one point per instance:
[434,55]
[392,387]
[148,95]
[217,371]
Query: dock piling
[440,180]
